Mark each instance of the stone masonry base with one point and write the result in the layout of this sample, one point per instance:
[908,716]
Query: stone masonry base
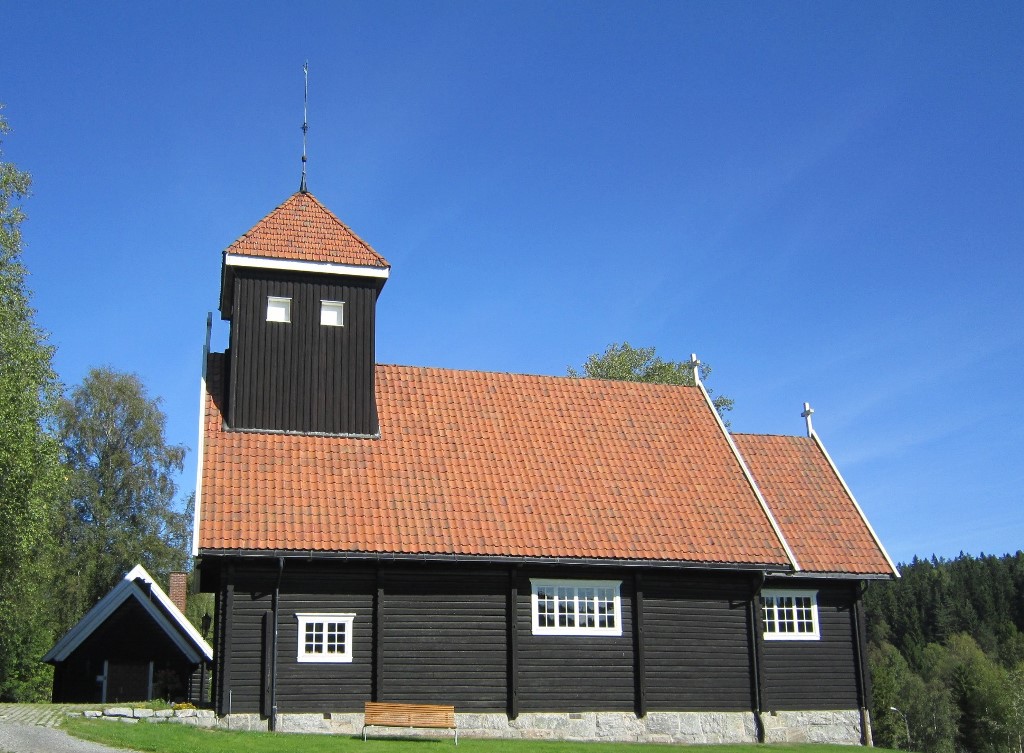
[692,727]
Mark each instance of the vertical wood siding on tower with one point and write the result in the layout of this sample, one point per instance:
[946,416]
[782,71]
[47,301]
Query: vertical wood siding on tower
[813,675]
[302,376]
[697,642]
[575,673]
[444,638]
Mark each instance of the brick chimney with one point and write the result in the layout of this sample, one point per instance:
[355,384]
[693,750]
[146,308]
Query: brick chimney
[179,590]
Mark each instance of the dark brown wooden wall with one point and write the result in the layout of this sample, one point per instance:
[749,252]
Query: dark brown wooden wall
[444,638]
[325,687]
[302,376]
[250,591]
[574,673]
[130,634]
[697,641]
[810,675]
[431,633]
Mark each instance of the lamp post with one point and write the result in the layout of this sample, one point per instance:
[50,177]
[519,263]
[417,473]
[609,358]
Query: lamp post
[906,724]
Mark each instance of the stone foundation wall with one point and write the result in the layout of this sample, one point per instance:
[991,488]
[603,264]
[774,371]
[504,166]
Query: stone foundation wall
[842,727]
[690,727]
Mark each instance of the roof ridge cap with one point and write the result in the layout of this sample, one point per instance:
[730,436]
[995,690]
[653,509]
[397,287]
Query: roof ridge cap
[768,434]
[559,377]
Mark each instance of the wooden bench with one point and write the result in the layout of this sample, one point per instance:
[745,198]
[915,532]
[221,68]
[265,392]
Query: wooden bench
[409,715]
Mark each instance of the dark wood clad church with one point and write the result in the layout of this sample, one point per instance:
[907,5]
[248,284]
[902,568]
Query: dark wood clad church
[556,557]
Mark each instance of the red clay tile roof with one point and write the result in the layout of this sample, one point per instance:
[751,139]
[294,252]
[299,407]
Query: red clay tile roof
[820,521]
[303,229]
[500,465]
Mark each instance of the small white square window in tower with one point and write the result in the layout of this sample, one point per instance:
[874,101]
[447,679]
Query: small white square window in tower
[332,313]
[279,309]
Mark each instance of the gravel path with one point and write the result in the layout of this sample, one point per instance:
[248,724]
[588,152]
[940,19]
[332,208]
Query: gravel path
[31,728]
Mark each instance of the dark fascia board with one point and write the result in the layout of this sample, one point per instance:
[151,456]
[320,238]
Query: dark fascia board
[323,556]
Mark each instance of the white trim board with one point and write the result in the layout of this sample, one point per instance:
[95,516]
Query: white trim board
[750,478]
[856,504]
[296,265]
[185,637]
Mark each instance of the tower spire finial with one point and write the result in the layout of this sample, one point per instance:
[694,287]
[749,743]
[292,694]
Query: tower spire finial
[305,123]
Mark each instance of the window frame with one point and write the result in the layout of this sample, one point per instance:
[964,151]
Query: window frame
[329,305]
[781,593]
[338,618]
[287,308]
[594,611]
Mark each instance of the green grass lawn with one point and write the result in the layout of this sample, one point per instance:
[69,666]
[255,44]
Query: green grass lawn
[178,738]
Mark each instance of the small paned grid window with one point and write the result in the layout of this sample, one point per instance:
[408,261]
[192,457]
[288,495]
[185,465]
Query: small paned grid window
[790,615]
[325,637]
[563,607]
[332,313]
[279,309]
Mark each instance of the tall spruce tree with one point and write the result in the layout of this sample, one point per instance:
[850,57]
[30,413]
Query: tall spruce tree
[29,470]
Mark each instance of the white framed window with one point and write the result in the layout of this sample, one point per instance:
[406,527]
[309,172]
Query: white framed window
[790,615]
[332,313]
[576,607]
[325,637]
[279,309]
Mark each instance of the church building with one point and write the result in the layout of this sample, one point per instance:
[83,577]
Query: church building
[556,557]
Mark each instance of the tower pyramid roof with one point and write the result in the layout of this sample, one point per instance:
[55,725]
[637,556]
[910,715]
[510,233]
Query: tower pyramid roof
[303,229]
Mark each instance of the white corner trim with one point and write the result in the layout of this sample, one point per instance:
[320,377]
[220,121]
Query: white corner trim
[295,265]
[166,603]
[750,478]
[199,463]
[856,504]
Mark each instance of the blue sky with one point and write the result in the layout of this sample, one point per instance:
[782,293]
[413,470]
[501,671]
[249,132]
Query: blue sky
[824,201]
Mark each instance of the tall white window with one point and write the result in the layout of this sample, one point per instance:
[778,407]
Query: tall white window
[576,607]
[790,615]
[279,309]
[332,313]
[325,637]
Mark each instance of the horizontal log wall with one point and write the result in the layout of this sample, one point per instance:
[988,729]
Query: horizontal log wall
[444,638]
[822,674]
[697,640]
[309,687]
[573,672]
[242,669]
[441,635]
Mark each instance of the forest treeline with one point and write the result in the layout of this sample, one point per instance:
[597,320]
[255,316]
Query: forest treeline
[946,648]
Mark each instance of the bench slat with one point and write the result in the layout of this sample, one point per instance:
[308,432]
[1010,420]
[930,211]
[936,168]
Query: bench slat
[379,714]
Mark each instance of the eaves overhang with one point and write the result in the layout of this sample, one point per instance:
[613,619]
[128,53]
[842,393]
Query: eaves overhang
[772,568]
[241,261]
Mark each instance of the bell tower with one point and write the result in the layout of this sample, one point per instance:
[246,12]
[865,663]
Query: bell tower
[300,290]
